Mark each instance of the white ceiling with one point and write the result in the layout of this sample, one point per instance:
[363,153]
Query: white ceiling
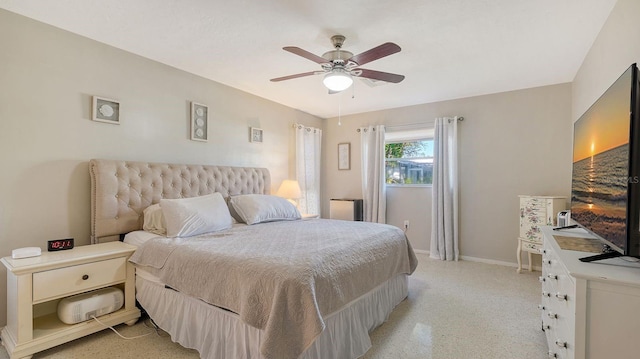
[450,48]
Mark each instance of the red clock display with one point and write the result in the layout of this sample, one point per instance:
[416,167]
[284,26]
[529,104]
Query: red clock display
[59,244]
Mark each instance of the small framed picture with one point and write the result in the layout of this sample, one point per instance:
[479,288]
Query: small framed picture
[106,110]
[256,134]
[199,122]
[344,156]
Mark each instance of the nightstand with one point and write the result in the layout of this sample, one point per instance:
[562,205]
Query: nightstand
[35,286]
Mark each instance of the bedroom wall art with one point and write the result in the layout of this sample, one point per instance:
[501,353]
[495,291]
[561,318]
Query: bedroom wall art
[105,110]
[344,156]
[256,134]
[199,122]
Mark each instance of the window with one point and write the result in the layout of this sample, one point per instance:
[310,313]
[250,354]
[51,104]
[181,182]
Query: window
[409,161]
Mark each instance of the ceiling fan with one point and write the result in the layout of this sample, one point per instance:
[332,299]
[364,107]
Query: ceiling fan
[340,66]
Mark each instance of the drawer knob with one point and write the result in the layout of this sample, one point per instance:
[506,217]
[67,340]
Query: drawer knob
[85,277]
[546,327]
[561,344]
[553,315]
[561,296]
[541,307]
[547,261]
[546,294]
[553,276]
[542,279]
[552,355]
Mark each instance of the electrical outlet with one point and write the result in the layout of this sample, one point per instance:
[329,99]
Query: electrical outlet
[406,224]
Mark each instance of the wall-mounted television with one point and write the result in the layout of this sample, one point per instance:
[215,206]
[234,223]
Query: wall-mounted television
[605,184]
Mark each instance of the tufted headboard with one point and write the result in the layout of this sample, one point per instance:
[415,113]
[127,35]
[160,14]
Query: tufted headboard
[121,190]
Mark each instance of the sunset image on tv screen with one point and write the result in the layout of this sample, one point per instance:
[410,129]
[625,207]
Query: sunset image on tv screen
[600,164]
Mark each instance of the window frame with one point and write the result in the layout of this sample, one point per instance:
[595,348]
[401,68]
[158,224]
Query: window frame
[410,139]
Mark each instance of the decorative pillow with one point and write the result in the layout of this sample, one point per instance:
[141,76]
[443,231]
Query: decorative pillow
[258,208]
[154,220]
[232,211]
[188,217]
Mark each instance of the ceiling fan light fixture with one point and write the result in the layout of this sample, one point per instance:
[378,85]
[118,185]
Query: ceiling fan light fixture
[337,80]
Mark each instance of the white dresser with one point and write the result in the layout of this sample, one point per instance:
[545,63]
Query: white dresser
[536,211]
[588,310]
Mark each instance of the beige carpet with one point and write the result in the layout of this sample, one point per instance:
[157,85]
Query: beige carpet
[459,310]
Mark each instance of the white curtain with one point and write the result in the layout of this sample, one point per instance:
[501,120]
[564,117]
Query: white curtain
[373,188]
[308,147]
[444,229]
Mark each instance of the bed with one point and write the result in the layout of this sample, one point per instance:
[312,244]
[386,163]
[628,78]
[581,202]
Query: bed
[307,289]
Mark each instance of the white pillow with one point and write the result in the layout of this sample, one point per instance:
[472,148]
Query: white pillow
[154,220]
[258,208]
[188,217]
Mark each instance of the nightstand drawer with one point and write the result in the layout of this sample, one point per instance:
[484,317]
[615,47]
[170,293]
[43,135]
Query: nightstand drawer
[75,279]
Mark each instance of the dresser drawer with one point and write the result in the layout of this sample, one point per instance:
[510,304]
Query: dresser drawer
[531,246]
[533,202]
[70,280]
[531,233]
[560,341]
[537,207]
[533,214]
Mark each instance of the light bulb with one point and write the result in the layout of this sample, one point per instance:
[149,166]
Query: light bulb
[337,80]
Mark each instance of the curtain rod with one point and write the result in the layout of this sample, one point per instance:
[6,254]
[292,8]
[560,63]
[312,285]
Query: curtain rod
[308,129]
[300,125]
[418,123]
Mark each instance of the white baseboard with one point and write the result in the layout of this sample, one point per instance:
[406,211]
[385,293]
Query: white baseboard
[502,263]
[487,261]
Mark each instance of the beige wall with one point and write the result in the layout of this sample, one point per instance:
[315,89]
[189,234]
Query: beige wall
[511,143]
[47,77]
[614,50]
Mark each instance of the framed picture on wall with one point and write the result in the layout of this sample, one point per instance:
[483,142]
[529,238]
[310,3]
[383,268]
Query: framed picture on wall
[199,122]
[105,110]
[255,134]
[344,156]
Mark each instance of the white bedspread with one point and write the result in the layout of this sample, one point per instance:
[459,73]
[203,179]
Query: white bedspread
[282,277]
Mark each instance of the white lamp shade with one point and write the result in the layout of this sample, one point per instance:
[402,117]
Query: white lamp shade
[289,189]
[337,80]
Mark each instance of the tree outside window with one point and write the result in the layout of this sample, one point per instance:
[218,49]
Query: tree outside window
[409,162]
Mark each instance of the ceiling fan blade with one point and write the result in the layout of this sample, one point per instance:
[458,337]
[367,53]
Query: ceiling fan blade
[378,52]
[379,75]
[306,54]
[294,76]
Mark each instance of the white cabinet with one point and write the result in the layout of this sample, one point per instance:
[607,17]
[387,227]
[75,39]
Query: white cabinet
[588,310]
[36,285]
[536,211]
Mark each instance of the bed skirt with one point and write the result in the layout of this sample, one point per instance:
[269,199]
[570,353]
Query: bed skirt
[216,333]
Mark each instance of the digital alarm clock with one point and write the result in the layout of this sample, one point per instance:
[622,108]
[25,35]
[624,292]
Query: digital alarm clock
[59,244]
